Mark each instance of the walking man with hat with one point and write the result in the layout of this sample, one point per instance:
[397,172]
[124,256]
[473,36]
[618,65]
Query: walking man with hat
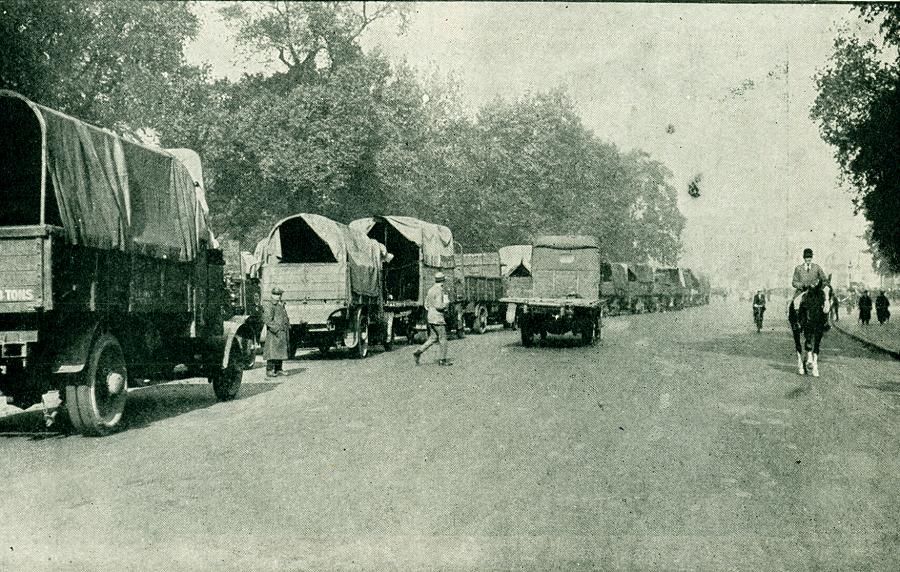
[278,328]
[436,302]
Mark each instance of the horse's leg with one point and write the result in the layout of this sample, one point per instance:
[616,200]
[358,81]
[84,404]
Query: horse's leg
[795,330]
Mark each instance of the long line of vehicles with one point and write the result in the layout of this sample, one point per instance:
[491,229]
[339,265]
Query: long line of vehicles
[111,278]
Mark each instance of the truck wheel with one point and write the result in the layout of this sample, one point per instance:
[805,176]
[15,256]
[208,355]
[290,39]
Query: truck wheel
[227,382]
[388,332]
[96,403]
[527,336]
[361,325]
[460,322]
[479,326]
[587,332]
[249,347]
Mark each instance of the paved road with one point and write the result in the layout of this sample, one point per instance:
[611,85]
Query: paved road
[683,441]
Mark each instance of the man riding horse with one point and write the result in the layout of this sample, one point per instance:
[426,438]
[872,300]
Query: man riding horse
[808,311]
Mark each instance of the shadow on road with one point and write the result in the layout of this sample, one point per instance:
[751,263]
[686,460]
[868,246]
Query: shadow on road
[886,386]
[143,408]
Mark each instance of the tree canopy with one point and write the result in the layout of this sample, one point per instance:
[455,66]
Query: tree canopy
[339,131]
[858,110]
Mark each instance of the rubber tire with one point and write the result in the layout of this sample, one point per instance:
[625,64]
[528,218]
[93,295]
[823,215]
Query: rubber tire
[460,322]
[479,324]
[85,416]
[361,325]
[587,332]
[226,382]
[389,334]
[527,335]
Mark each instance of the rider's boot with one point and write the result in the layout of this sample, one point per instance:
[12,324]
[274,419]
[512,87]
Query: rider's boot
[815,365]
[800,369]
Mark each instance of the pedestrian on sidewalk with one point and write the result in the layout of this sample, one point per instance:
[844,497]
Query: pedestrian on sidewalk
[865,308]
[278,328]
[436,302]
[881,308]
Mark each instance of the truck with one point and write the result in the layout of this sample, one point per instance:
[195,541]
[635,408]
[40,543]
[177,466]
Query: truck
[243,299]
[566,290]
[418,250]
[515,266]
[483,289]
[110,277]
[671,287]
[333,285]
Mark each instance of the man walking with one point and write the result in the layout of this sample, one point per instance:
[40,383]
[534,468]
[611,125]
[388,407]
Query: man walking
[881,308]
[278,328]
[436,302]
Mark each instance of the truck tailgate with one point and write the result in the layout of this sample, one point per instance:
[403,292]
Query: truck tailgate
[21,274]
[311,290]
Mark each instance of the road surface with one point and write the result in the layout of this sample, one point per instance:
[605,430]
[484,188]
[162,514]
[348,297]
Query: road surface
[683,441]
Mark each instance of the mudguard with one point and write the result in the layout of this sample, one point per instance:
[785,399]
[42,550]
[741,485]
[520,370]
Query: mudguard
[72,353]
[231,327]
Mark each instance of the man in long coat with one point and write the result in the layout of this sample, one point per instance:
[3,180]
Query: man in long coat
[881,308]
[278,328]
[865,308]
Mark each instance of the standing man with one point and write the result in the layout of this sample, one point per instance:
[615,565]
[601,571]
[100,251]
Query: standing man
[436,301]
[278,329]
[881,308]
[865,308]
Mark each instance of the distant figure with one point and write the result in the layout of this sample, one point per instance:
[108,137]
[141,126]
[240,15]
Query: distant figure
[278,328]
[881,308]
[835,309]
[865,308]
[759,308]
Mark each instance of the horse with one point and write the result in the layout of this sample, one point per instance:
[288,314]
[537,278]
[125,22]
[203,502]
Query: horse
[810,318]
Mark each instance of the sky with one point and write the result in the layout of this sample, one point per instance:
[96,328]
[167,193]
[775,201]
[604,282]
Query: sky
[720,91]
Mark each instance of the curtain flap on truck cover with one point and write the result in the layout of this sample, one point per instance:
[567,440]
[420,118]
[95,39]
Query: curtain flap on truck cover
[512,257]
[361,255]
[114,194]
[435,241]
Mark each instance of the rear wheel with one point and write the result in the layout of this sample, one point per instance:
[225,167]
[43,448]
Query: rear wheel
[587,331]
[227,382]
[388,332]
[527,334]
[479,325]
[96,403]
[361,325]
[460,322]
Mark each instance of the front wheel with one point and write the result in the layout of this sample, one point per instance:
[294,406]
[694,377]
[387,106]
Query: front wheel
[460,322]
[361,326]
[388,332]
[227,382]
[479,326]
[96,403]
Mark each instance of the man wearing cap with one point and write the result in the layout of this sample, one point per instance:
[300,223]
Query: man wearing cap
[806,275]
[278,328]
[436,302]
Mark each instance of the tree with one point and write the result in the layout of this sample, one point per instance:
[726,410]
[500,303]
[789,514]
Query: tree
[858,110]
[104,61]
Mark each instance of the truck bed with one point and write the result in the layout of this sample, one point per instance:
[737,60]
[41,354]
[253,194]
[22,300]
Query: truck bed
[553,302]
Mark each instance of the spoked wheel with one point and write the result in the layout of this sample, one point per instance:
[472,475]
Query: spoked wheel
[460,322]
[227,382]
[95,404]
[361,326]
[249,347]
[388,332]
[479,326]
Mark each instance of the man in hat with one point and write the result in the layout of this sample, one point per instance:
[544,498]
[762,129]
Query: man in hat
[436,301]
[806,275]
[278,328]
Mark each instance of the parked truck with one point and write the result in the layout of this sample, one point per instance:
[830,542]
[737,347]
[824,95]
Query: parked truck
[671,287]
[109,274]
[333,285]
[243,300]
[566,290]
[419,250]
[515,265]
[483,289]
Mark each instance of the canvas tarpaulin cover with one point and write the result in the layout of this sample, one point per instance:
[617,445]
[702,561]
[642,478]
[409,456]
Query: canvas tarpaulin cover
[512,257]
[361,255]
[114,194]
[435,241]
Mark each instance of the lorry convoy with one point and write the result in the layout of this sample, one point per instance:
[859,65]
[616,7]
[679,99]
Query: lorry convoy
[110,277]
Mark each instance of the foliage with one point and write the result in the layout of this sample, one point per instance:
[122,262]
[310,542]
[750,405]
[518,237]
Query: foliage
[858,110]
[100,60]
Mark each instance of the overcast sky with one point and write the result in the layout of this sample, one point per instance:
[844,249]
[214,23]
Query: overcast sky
[734,81]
